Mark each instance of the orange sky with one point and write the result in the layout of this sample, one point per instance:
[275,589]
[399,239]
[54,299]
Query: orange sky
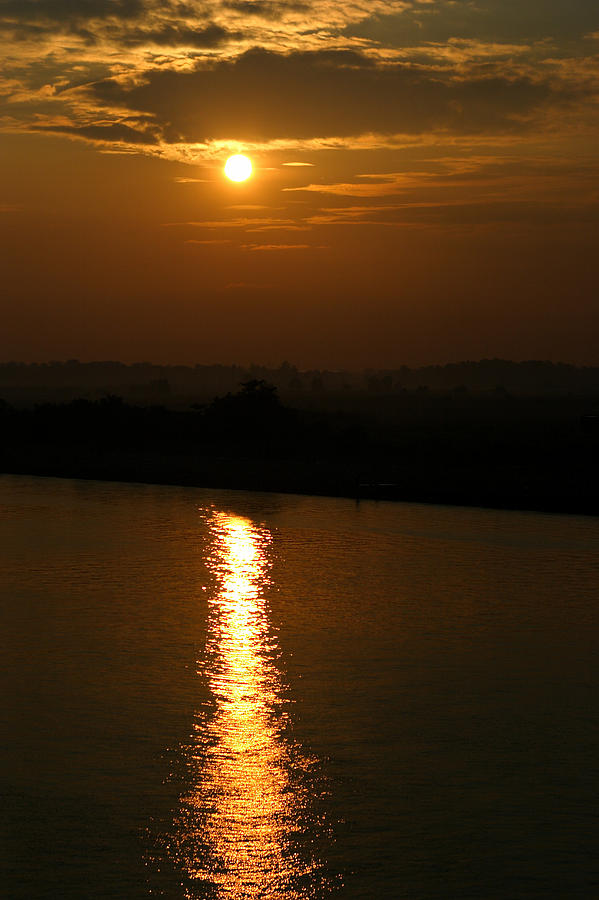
[425,184]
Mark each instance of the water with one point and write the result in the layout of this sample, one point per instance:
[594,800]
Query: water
[233,695]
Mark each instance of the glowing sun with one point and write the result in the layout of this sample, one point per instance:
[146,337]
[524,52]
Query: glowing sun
[238,167]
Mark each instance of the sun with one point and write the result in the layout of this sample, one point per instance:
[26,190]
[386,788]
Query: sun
[238,167]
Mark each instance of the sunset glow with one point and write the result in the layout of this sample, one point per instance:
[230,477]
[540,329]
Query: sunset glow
[427,181]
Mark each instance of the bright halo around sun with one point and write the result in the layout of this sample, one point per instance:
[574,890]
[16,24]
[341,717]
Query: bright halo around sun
[238,167]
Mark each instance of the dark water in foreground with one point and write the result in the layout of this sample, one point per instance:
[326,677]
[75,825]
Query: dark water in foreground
[233,695]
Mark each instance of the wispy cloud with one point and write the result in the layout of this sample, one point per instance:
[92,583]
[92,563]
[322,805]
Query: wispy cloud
[262,247]
[237,222]
[382,188]
[182,180]
[210,241]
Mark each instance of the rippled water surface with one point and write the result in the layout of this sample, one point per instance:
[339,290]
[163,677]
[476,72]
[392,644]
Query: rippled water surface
[233,695]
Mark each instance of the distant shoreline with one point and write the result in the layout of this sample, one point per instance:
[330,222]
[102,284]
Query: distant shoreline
[532,453]
[273,476]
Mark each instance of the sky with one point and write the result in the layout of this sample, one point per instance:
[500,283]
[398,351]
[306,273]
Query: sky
[425,184]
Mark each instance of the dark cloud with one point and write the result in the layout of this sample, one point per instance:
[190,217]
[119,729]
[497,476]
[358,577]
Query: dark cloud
[494,20]
[266,9]
[263,95]
[23,31]
[124,25]
[174,35]
[69,10]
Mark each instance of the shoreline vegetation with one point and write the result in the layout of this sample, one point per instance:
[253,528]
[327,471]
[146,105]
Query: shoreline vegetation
[490,448]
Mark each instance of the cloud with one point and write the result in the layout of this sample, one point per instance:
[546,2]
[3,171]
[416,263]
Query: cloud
[263,96]
[181,180]
[268,247]
[69,10]
[383,187]
[239,222]
[474,214]
[497,20]
[103,133]
[64,9]
[213,241]
[193,82]
[265,9]
[178,34]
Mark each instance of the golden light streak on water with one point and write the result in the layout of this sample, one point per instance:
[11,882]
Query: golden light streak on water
[237,824]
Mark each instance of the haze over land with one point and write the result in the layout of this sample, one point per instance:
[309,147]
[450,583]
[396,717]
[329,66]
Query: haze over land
[23,384]
[492,433]
[425,181]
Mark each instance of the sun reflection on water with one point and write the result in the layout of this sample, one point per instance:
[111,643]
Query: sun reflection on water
[239,825]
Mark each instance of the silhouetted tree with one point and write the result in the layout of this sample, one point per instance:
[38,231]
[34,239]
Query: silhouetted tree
[253,412]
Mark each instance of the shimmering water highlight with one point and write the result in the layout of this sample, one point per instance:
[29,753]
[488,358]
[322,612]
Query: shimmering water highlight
[235,826]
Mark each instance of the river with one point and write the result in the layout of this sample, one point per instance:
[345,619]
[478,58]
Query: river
[220,694]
